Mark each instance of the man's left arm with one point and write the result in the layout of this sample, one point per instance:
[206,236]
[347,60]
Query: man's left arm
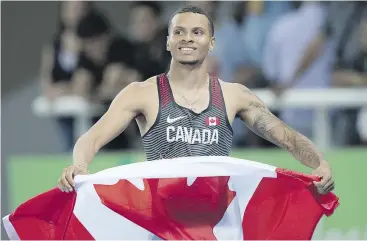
[261,121]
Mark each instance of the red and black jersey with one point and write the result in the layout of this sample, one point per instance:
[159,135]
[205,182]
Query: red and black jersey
[180,132]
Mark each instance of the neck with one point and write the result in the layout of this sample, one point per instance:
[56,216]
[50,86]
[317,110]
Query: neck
[188,76]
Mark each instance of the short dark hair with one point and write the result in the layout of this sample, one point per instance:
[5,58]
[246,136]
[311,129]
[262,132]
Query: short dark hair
[155,6]
[194,9]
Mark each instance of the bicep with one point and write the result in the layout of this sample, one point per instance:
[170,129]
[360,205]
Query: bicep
[264,123]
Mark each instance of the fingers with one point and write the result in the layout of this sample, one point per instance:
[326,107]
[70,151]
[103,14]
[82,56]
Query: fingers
[60,185]
[330,188]
[325,185]
[329,184]
[69,176]
[63,182]
[66,181]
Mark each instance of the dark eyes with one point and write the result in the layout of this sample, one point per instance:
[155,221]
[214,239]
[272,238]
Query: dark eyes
[196,32]
[178,32]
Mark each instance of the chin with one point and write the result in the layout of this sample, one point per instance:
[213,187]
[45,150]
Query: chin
[189,62]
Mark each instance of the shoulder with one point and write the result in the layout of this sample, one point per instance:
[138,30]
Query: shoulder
[140,90]
[137,95]
[237,96]
[149,85]
[234,89]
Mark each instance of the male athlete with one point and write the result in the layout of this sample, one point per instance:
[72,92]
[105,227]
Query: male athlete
[188,113]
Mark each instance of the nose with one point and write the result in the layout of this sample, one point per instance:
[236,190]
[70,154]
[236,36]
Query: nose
[188,37]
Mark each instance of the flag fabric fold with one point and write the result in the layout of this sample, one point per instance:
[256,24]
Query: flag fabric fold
[206,198]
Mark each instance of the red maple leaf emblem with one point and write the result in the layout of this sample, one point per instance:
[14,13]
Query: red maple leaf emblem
[169,208]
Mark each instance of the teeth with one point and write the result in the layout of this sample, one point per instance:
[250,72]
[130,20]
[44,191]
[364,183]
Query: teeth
[187,49]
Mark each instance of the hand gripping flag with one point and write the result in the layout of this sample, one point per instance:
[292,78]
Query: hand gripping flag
[206,198]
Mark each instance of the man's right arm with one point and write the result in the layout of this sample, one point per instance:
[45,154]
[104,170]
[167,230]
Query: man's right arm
[123,109]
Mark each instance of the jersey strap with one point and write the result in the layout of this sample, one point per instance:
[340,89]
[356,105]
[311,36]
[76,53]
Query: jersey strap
[217,97]
[164,90]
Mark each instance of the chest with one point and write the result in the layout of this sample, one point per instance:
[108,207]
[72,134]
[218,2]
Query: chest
[179,124]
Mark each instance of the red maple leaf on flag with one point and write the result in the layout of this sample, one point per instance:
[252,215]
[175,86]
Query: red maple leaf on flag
[168,207]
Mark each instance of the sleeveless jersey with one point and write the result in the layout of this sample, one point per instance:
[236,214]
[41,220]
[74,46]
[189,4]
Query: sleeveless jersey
[180,132]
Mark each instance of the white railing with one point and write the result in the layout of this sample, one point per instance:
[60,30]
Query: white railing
[318,99]
[68,106]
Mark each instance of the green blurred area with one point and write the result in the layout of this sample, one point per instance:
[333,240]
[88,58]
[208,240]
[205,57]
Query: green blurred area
[31,175]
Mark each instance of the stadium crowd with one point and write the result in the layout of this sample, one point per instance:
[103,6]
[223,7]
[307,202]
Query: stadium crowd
[261,44]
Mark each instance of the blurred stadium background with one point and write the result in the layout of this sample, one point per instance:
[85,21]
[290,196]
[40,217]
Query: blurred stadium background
[62,63]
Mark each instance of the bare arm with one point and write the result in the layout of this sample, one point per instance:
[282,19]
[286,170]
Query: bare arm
[124,108]
[260,120]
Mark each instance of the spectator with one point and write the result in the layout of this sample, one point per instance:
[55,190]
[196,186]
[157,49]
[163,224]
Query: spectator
[210,7]
[346,28]
[260,16]
[105,67]
[240,40]
[285,45]
[238,51]
[149,36]
[60,58]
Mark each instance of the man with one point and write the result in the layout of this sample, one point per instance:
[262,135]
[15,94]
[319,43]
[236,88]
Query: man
[187,113]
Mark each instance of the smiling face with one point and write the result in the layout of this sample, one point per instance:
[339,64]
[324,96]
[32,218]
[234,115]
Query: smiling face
[190,38]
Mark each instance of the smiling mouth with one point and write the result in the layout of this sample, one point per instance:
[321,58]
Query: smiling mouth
[187,50]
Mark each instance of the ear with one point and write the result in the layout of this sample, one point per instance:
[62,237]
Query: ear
[211,44]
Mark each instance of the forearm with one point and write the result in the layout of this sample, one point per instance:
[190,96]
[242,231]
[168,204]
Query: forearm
[84,151]
[268,126]
[295,143]
[303,150]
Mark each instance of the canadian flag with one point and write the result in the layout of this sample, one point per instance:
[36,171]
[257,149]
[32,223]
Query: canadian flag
[190,198]
[212,121]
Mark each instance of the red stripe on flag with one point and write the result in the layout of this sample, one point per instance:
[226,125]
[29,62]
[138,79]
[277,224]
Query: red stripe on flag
[286,207]
[46,216]
[76,230]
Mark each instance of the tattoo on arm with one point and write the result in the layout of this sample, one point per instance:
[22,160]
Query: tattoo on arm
[266,125]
